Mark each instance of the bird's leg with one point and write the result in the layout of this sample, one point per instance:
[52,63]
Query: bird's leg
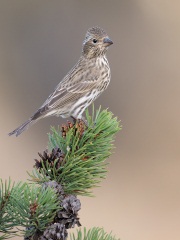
[74,119]
[84,121]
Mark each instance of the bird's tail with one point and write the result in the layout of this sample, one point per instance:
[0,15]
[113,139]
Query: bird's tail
[23,127]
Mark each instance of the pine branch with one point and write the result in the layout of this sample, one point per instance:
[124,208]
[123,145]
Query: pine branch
[77,153]
[74,163]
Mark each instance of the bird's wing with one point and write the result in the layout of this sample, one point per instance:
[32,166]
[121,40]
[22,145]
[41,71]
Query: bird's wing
[71,89]
[74,87]
[82,87]
[71,94]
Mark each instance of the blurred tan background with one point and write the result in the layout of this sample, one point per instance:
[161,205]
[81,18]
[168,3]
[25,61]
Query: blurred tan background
[40,41]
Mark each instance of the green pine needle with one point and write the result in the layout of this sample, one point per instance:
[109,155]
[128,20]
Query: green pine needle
[94,233]
[6,221]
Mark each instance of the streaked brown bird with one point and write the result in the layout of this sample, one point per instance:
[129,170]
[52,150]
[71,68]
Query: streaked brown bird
[82,85]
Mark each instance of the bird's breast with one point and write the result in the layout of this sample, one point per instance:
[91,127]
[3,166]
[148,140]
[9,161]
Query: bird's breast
[103,66]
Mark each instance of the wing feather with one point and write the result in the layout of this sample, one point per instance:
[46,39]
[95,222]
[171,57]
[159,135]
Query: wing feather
[74,86]
[71,94]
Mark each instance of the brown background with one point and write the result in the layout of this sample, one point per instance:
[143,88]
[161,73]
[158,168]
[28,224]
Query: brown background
[40,41]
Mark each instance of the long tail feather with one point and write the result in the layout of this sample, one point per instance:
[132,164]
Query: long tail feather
[23,127]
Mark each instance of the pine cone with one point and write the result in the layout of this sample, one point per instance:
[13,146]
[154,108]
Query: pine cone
[55,231]
[50,158]
[69,214]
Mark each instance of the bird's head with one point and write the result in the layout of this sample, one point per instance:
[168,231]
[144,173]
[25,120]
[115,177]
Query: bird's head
[95,43]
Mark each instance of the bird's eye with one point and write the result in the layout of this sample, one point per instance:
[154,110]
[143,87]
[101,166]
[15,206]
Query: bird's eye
[95,40]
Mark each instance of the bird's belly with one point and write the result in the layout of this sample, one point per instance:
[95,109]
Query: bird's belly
[79,107]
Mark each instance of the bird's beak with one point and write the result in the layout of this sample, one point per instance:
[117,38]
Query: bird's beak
[107,41]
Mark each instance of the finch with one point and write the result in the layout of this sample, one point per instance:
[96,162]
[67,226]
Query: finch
[81,86]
